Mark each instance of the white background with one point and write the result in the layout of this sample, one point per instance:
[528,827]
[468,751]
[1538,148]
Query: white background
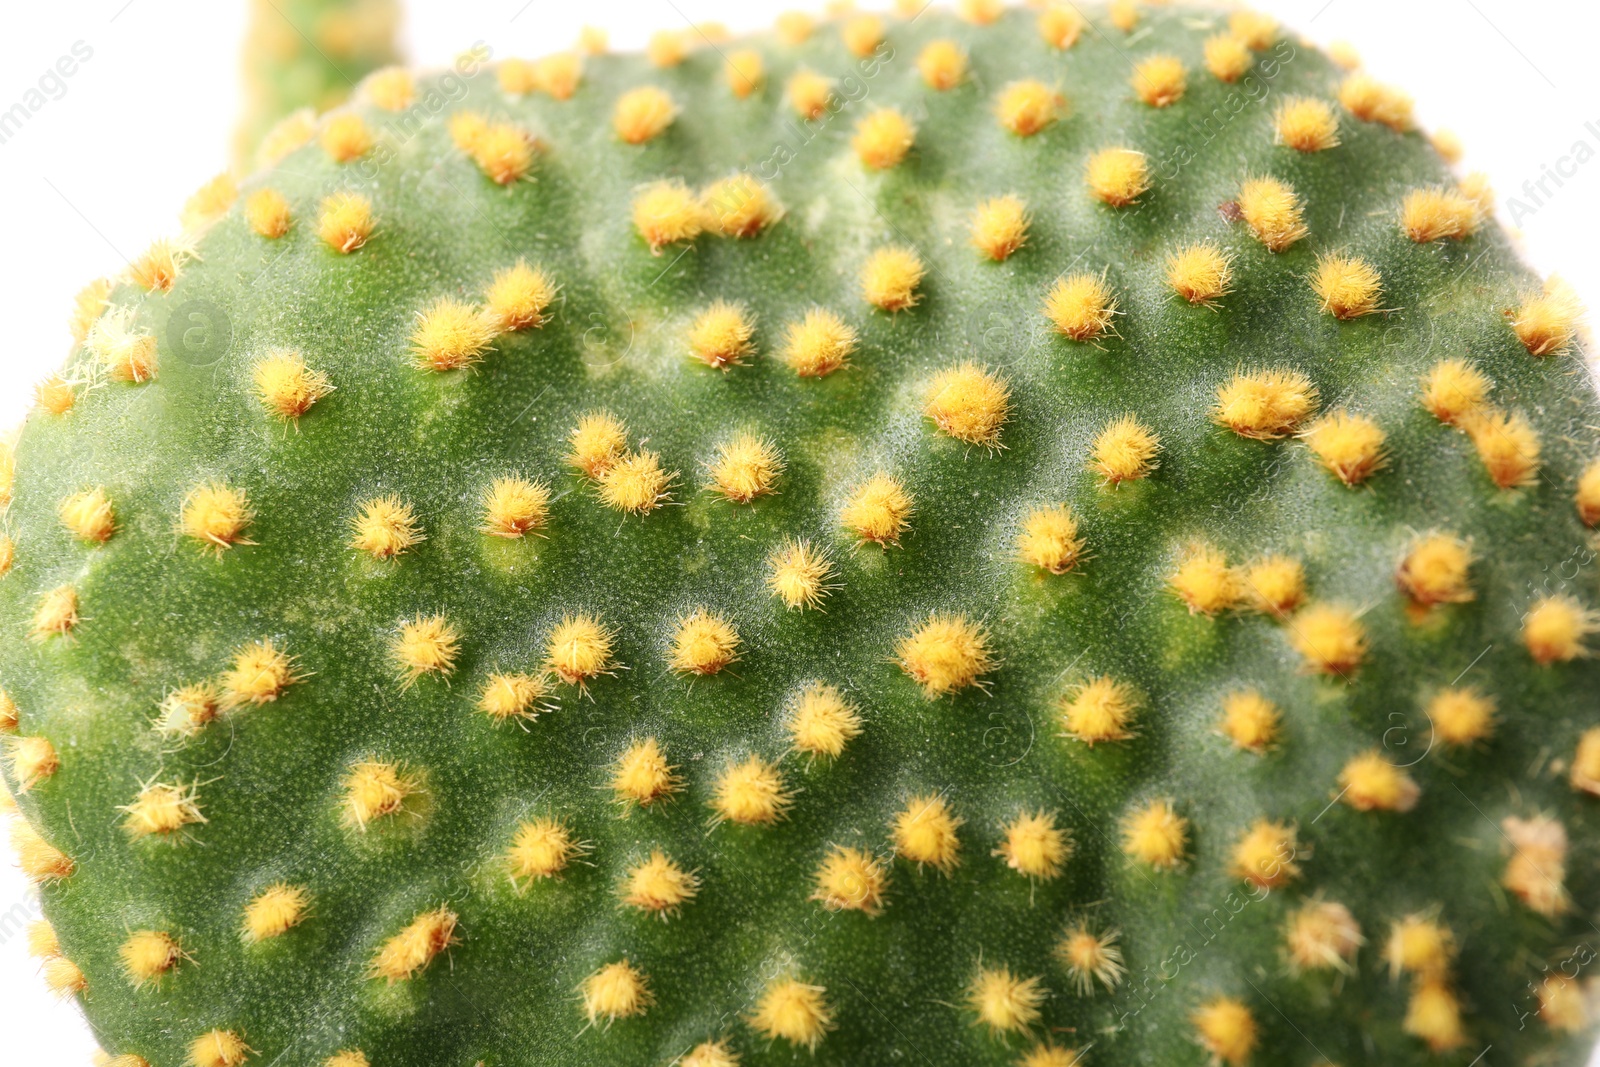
[101,171]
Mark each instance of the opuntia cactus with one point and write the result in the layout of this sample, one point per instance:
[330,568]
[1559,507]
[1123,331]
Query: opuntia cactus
[995,537]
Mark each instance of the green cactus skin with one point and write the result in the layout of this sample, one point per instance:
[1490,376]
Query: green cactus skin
[158,610]
[310,53]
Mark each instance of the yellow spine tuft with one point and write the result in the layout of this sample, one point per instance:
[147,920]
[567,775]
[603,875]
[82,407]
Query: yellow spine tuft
[1587,497]
[793,1011]
[55,394]
[1436,214]
[1118,176]
[1437,570]
[1421,946]
[274,912]
[1265,405]
[1369,782]
[1555,627]
[1462,716]
[1160,80]
[218,1048]
[704,644]
[390,88]
[42,940]
[667,48]
[579,648]
[795,27]
[345,137]
[751,793]
[514,696]
[127,354]
[286,387]
[821,722]
[1124,14]
[56,614]
[1372,101]
[883,138]
[87,307]
[1347,286]
[890,277]
[1330,638]
[1224,1027]
[851,879]
[1029,107]
[1547,324]
[942,64]
[745,73]
[1049,539]
[800,574]
[1306,124]
[1000,227]
[1434,1014]
[408,953]
[385,527]
[862,34]
[345,222]
[1536,872]
[88,516]
[1004,1002]
[1507,445]
[597,443]
[809,94]
[185,711]
[209,203]
[1156,835]
[1201,273]
[1228,57]
[162,809]
[41,862]
[292,132]
[1265,855]
[1035,846]
[1099,710]
[740,206]
[1204,581]
[1089,957]
[643,114]
[1274,585]
[925,832]
[216,516]
[349,1057]
[1080,306]
[658,886]
[879,510]
[636,484]
[515,507]
[451,335]
[1562,1004]
[667,213]
[1258,30]
[156,270]
[426,644]
[1323,935]
[259,674]
[149,955]
[616,991]
[503,152]
[519,296]
[516,77]
[1273,212]
[1250,720]
[1454,390]
[1352,447]
[969,403]
[1060,24]
[720,335]
[375,790]
[559,74]
[33,759]
[541,848]
[818,344]
[643,776]
[945,654]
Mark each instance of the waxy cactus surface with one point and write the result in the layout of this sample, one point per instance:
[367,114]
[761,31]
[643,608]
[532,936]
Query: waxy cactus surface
[997,537]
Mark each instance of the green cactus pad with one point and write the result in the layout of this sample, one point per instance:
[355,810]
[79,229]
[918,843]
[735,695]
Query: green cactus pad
[585,565]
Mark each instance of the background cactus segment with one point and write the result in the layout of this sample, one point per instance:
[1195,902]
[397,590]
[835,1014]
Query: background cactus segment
[1003,537]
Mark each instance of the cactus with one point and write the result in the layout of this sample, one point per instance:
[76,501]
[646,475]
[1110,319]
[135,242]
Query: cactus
[987,538]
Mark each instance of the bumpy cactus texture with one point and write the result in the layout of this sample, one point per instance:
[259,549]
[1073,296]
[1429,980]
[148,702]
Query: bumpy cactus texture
[981,538]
